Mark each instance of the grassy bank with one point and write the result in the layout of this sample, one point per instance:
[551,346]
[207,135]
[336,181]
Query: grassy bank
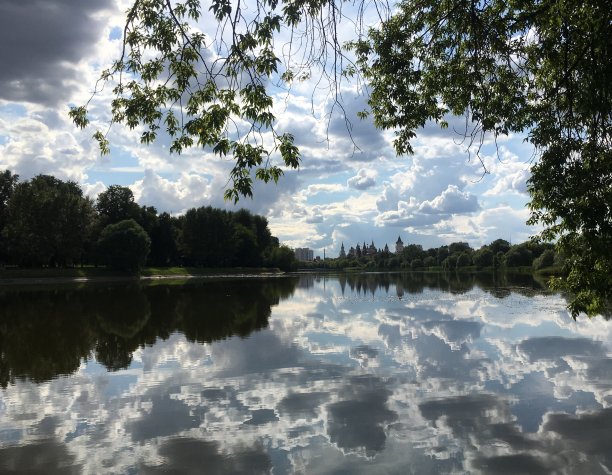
[12,273]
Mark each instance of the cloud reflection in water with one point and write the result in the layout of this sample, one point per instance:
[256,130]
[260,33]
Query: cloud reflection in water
[356,374]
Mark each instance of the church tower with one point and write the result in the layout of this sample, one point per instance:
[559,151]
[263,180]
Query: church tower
[342,253]
[399,245]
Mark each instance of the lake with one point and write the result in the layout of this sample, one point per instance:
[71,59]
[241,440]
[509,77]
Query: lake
[356,373]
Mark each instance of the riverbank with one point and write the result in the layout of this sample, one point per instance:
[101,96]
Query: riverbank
[16,276]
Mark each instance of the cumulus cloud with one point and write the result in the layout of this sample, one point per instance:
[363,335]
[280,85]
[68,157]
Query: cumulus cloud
[363,180]
[57,50]
[513,182]
[190,190]
[34,148]
[451,201]
[412,213]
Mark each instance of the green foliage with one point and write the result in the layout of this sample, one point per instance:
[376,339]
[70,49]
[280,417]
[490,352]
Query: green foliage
[450,262]
[8,182]
[546,259]
[483,257]
[537,67]
[518,256]
[48,222]
[124,246]
[429,261]
[116,204]
[166,81]
[282,257]
[541,68]
[463,260]
[80,233]
[499,245]
[164,237]
[416,264]
[413,251]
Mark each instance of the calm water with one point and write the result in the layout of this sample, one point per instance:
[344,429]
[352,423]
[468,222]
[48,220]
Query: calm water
[376,373]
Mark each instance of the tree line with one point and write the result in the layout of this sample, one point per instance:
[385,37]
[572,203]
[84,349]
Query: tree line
[458,255]
[47,222]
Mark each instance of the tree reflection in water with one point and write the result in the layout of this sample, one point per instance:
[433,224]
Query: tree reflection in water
[46,333]
[349,373]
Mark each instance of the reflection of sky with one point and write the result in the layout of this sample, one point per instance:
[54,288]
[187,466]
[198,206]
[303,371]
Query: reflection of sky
[340,381]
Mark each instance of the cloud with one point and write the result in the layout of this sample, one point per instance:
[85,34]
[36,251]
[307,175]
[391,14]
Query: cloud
[356,423]
[451,201]
[188,191]
[313,190]
[513,182]
[412,213]
[43,40]
[36,148]
[363,180]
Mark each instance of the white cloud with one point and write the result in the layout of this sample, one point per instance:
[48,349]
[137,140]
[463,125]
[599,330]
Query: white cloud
[451,201]
[363,180]
[425,194]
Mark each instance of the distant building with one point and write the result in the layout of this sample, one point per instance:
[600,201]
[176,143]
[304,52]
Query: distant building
[399,245]
[304,254]
[342,253]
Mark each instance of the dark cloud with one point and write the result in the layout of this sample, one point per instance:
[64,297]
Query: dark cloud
[215,394]
[358,420]
[363,354]
[358,139]
[167,417]
[261,352]
[42,40]
[44,458]
[555,347]
[588,432]
[261,416]
[302,405]
[465,415]
[511,464]
[192,456]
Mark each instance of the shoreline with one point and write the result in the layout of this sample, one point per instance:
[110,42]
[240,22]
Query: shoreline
[16,277]
[84,276]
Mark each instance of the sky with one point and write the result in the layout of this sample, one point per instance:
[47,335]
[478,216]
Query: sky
[350,188]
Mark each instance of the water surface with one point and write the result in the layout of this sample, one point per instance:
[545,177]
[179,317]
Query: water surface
[371,373]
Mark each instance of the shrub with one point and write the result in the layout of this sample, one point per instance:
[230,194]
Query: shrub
[124,246]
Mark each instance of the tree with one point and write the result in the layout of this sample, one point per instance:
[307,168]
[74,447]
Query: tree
[429,261]
[282,257]
[48,222]
[499,245]
[483,257]
[124,245]
[546,259]
[539,68]
[116,204]
[518,256]
[463,259]
[206,239]
[8,182]
[413,251]
[164,237]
